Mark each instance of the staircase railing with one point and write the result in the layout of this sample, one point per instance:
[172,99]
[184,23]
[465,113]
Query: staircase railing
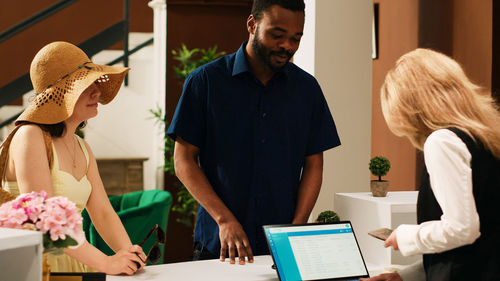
[115,61]
[36,18]
[100,41]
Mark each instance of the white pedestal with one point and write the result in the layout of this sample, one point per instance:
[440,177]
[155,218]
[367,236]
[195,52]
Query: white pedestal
[20,254]
[368,213]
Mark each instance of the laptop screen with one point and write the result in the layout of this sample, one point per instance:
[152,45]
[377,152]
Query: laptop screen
[315,251]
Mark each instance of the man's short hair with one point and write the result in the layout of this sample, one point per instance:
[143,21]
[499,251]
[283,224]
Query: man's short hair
[260,6]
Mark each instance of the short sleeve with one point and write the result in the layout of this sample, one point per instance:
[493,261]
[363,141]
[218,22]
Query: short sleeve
[323,134]
[189,118]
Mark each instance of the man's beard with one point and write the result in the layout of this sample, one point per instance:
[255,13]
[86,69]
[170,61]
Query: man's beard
[264,55]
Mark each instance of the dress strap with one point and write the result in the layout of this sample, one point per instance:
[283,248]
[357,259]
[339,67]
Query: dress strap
[4,153]
[84,149]
[55,160]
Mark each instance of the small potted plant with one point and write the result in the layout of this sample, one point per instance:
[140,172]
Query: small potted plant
[328,216]
[379,166]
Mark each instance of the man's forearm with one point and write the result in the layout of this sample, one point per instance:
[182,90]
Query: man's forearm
[233,239]
[309,187]
[191,175]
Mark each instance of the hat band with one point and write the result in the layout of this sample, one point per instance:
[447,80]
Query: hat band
[67,75]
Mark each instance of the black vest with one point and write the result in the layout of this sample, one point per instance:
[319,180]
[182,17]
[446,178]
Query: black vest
[480,260]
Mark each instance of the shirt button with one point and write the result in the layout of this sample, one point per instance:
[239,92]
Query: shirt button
[264,115]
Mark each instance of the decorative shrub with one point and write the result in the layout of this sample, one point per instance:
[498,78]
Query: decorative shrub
[379,166]
[328,216]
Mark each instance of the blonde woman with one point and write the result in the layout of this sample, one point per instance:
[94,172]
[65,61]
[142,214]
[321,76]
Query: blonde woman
[43,152]
[427,98]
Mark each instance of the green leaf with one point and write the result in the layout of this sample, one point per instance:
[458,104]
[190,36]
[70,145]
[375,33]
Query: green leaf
[379,166]
[189,60]
[328,216]
[57,247]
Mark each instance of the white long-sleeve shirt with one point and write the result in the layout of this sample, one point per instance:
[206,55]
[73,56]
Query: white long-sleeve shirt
[448,163]
[413,272]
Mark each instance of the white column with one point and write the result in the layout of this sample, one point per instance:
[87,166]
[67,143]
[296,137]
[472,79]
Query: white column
[160,64]
[304,57]
[340,56]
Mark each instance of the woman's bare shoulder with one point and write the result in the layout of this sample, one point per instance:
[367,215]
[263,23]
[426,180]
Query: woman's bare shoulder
[28,133]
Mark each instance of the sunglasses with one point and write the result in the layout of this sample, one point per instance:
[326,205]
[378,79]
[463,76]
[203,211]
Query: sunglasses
[154,254]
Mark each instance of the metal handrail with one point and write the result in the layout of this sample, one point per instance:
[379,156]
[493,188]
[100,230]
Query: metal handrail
[130,52]
[115,61]
[10,120]
[125,37]
[27,23]
[103,40]
[87,45]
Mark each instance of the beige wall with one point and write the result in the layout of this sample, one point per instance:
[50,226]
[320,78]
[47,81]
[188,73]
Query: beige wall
[398,34]
[342,65]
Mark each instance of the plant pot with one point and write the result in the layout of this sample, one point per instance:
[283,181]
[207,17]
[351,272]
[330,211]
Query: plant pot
[379,188]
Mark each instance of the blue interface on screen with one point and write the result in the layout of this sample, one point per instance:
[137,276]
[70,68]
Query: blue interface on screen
[315,252]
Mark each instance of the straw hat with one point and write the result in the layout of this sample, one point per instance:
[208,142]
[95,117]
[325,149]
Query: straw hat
[60,72]
[5,196]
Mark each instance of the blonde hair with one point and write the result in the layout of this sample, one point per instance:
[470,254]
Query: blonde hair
[427,91]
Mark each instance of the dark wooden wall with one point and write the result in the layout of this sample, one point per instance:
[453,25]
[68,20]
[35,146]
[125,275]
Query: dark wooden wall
[202,25]
[198,24]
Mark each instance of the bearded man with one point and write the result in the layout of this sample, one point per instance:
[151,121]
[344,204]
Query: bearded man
[250,130]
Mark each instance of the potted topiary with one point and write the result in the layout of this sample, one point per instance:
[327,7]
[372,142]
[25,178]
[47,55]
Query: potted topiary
[379,166]
[328,216]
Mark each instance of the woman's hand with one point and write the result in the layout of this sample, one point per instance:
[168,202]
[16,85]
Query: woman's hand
[125,261]
[392,241]
[138,251]
[394,276]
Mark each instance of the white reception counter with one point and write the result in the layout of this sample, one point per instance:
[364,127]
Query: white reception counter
[20,254]
[368,213]
[209,270]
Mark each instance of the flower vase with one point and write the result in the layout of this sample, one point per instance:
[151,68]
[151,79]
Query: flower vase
[45,268]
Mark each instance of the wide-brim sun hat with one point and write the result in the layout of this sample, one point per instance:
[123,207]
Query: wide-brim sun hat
[60,72]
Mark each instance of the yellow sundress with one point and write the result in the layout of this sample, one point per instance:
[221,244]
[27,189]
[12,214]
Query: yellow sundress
[78,191]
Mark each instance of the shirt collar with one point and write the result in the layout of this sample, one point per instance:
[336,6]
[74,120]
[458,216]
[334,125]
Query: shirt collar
[241,63]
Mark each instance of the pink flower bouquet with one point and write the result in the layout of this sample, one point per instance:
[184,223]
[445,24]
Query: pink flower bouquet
[56,217]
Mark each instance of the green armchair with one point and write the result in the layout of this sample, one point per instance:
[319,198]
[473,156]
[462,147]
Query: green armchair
[139,212]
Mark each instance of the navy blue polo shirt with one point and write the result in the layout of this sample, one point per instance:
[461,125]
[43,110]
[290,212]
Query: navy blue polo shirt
[253,140]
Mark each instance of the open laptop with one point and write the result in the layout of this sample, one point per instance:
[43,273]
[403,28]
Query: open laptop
[318,251]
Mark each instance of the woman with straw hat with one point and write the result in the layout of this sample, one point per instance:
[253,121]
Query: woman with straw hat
[43,152]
